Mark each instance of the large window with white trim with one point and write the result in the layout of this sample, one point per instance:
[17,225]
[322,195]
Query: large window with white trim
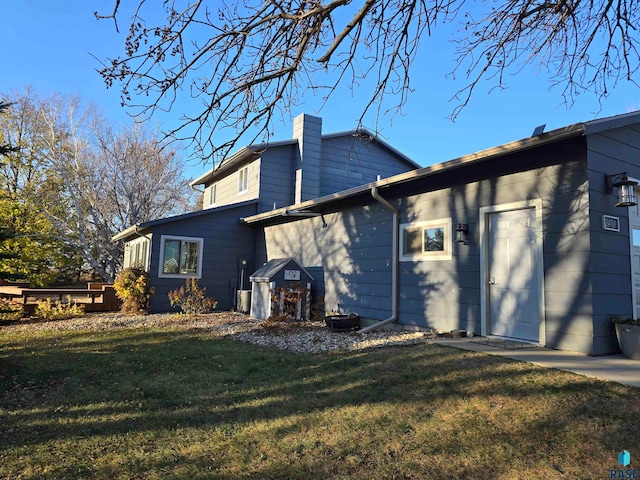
[429,240]
[136,253]
[181,257]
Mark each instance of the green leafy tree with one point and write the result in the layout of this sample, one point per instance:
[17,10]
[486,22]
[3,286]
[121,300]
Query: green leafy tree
[35,253]
[5,235]
[75,181]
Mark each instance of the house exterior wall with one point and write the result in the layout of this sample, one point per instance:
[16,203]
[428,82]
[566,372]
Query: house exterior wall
[227,187]
[335,164]
[610,152]
[308,131]
[351,257]
[277,177]
[226,241]
[346,162]
[352,160]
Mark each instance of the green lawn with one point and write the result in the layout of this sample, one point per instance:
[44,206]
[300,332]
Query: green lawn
[173,404]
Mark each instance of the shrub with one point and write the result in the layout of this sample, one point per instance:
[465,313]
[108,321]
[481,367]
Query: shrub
[625,320]
[132,287]
[192,299]
[48,310]
[10,310]
[318,310]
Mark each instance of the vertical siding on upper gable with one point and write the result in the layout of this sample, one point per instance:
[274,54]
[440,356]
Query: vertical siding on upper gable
[227,190]
[351,161]
[610,152]
[226,241]
[277,177]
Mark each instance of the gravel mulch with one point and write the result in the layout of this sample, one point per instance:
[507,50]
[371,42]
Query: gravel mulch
[307,337]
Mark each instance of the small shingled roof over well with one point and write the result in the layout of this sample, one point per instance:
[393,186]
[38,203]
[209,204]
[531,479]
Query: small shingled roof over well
[269,269]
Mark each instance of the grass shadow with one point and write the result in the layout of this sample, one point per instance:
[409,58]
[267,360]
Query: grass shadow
[179,404]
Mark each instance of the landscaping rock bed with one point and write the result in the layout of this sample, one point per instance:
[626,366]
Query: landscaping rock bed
[307,337]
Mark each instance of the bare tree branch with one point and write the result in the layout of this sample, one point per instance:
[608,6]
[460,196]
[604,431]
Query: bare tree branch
[246,62]
[584,46]
[92,181]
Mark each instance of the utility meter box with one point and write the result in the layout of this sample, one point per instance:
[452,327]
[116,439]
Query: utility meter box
[281,287]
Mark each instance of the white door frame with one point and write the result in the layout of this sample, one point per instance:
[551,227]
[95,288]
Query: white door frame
[634,298]
[536,204]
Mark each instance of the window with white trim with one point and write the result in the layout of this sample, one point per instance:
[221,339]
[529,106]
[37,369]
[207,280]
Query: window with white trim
[212,194]
[429,240]
[136,253]
[243,180]
[180,257]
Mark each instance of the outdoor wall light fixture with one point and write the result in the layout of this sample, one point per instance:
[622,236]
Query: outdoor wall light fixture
[461,233]
[626,195]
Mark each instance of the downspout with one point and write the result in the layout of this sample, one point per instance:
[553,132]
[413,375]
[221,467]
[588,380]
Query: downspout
[394,265]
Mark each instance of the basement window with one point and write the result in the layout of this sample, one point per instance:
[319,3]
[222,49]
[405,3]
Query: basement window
[430,240]
[181,257]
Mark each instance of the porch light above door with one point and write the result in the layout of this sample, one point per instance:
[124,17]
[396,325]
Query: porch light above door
[461,233]
[626,195]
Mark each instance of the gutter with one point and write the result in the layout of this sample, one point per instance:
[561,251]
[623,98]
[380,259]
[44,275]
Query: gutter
[300,213]
[137,232]
[394,265]
[432,170]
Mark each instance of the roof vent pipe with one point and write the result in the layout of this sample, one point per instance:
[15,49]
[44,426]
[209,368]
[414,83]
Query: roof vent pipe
[394,265]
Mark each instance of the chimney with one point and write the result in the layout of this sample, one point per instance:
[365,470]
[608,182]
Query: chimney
[308,131]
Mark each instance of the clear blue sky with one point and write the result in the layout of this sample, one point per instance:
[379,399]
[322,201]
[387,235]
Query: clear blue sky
[49,45]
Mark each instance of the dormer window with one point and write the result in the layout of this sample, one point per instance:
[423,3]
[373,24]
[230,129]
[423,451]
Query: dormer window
[243,180]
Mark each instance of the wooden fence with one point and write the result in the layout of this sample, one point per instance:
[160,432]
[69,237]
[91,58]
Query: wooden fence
[97,297]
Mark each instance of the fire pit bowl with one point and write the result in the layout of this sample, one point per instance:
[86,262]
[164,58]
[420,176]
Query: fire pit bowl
[342,323]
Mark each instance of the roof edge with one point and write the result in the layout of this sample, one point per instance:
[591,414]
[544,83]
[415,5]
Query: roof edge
[377,138]
[574,130]
[238,156]
[608,123]
[145,226]
[256,149]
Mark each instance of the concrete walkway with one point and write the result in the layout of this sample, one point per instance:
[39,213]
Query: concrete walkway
[613,368]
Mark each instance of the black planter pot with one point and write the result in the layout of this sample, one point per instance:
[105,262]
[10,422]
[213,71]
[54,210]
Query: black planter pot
[342,323]
[629,340]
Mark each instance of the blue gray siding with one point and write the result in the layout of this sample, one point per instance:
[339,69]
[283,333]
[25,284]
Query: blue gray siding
[277,177]
[311,166]
[226,241]
[610,152]
[352,160]
[354,250]
[350,258]
[308,131]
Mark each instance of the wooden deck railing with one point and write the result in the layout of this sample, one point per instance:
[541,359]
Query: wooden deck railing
[95,298]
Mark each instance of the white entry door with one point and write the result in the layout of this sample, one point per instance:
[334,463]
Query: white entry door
[513,290]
